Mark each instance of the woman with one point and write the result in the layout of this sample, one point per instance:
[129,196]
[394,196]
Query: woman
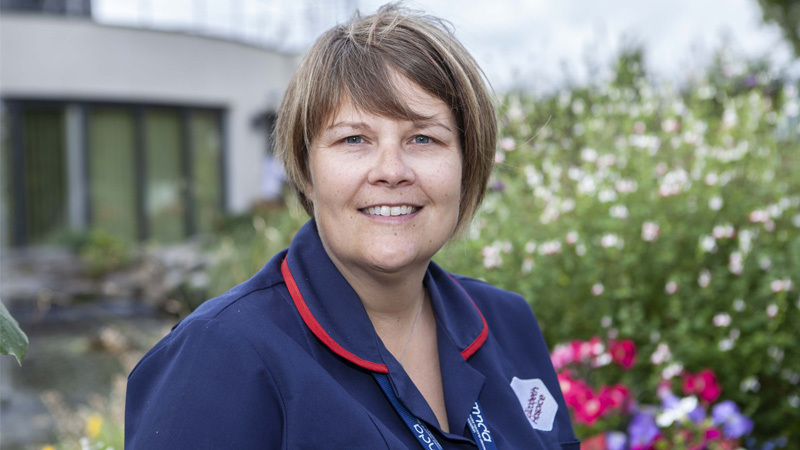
[352,338]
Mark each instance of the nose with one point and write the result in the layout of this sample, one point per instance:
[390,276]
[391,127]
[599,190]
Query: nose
[391,167]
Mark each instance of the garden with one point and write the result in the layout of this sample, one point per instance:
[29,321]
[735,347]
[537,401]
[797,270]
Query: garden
[654,229]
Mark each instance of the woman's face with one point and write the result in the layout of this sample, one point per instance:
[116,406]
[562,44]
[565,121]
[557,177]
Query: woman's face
[386,193]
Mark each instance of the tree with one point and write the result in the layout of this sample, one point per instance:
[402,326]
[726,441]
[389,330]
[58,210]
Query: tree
[785,14]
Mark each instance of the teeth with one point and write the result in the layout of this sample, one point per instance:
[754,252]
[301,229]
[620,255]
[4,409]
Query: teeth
[387,211]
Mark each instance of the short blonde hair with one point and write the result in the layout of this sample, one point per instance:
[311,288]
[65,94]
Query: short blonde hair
[356,60]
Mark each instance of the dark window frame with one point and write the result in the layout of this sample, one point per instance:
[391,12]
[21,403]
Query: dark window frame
[14,106]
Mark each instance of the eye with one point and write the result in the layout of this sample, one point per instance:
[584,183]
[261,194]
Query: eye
[422,139]
[353,140]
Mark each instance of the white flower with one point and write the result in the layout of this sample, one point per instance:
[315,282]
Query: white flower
[738,305]
[722,320]
[610,240]
[745,241]
[589,155]
[606,161]
[532,176]
[715,203]
[772,311]
[750,384]
[491,257]
[530,247]
[679,413]
[704,279]
[650,231]
[725,344]
[571,238]
[508,144]
[628,186]
[602,360]
[711,179]
[671,371]
[619,212]
[499,157]
[669,125]
[527,265]
[708,244]
[578,106]
[605,322]
[777,286]
[597,289]
[775,353]
[765,263]
[759,215]
[723,231]
[661,355]
[550,248]
[607,196]
[671,288]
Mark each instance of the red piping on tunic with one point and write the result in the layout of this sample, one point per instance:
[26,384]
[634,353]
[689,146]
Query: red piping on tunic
[323,336]
[317,329]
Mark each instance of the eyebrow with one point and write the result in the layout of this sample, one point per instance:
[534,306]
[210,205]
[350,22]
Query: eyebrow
[417,124]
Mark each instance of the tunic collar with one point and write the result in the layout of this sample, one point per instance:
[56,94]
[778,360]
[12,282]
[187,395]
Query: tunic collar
[334,313]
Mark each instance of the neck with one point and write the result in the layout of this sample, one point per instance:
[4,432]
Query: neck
[392,300]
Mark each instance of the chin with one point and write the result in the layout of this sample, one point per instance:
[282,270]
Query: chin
[397,261]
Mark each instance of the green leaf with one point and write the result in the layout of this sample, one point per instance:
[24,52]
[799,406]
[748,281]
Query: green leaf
[12,340]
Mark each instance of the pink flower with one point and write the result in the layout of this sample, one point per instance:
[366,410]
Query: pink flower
[623,353]
[615,397]
[576,392]
[704,384]
[590,410]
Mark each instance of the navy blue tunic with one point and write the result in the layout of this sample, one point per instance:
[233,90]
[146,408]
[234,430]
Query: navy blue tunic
[285,360]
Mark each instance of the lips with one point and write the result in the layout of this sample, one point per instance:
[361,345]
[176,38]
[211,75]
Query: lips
[388,211]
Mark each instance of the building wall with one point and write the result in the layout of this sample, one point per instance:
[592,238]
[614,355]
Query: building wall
[57,57]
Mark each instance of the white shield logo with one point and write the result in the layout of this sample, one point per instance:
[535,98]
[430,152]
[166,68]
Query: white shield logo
[537,403]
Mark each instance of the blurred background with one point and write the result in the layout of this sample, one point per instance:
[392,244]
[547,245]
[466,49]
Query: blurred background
[646,192]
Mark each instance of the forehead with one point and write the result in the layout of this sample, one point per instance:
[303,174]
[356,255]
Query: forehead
[408,102]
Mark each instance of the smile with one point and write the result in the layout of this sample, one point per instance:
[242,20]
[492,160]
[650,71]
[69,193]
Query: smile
[387,211]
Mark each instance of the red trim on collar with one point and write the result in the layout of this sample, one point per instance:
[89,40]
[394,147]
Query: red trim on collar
[478,342]
[320,332]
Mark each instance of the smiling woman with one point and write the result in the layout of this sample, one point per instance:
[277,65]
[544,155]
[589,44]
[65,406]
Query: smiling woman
[387,133]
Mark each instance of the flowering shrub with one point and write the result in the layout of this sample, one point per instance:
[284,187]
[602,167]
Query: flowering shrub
[613,419]
[667,215]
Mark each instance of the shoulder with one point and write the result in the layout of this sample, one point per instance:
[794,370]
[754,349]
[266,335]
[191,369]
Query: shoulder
[508,315]
[243,314]
[492,299]
[248,304]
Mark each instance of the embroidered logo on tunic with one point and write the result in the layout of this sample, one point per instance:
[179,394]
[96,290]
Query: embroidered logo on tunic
[537,403]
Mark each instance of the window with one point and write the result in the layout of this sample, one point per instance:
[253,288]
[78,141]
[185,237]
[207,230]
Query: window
[136,171]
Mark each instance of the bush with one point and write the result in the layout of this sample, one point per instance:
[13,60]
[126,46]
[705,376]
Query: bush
[102,252]
[664,215]
[251,240]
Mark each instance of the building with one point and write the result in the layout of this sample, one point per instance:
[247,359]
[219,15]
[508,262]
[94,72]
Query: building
[144,133]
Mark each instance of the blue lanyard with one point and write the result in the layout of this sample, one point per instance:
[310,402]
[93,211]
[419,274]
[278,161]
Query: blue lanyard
[477,425]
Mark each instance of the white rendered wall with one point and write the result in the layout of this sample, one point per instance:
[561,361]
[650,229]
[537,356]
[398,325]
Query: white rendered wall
[57,57]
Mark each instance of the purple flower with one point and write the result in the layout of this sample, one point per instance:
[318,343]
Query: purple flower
[642,430]
[498,186]
[698,415]
[616,440]
[734,424]
[723,410]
